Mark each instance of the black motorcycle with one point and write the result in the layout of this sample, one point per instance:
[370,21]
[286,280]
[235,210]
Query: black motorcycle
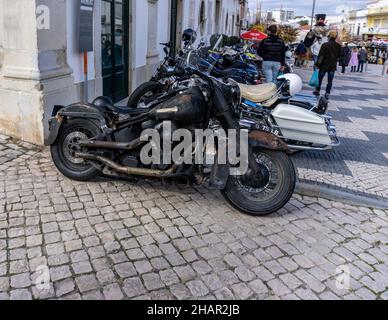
[222,67]
[160,81]
[89,139]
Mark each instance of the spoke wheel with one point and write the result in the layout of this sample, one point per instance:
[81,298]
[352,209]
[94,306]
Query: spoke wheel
[259,200]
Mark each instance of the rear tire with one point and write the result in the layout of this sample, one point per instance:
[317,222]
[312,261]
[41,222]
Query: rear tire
[264,201]
[62,151]
[144,94]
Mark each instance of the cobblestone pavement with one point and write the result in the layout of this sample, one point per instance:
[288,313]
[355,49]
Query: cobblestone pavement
[126,240]
[359,104]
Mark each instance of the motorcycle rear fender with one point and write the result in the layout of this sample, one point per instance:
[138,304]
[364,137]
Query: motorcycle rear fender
[267,141]
[80,111]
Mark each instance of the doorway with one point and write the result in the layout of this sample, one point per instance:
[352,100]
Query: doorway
[114,46]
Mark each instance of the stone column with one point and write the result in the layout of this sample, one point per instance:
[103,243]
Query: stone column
[152,38]
[34,65]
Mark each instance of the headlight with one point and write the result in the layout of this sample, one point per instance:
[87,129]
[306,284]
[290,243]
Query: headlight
[234,93]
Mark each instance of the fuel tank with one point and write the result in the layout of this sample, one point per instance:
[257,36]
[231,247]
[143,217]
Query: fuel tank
[189,106]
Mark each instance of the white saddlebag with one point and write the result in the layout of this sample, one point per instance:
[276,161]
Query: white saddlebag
[301,125]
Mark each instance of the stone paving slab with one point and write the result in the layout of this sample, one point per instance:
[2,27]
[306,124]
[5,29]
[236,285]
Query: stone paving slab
[359,105]
[61,239]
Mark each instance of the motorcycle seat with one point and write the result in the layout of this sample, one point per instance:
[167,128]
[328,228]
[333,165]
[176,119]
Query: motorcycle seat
[129,111]
[258,93]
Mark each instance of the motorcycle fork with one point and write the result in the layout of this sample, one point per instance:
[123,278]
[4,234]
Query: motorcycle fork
[228,121]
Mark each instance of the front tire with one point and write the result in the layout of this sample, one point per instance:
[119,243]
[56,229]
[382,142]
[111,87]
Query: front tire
[274,196]
[64,149]
[144,94]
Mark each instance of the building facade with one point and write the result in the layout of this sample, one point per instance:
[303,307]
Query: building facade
[41,64]
[357,22]
[282,15]
[377,20]
[209,17]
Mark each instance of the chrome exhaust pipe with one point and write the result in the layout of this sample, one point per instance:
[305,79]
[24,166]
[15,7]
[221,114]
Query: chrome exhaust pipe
[309,148]
[128,170]
[112,145]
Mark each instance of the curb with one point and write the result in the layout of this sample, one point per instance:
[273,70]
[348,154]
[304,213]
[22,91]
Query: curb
[317,191]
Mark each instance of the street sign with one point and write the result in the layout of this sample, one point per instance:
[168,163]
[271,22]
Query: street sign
[85,25]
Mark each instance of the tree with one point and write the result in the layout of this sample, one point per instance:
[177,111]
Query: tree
[345,35]
[303,23]
[288,33]
[258,28]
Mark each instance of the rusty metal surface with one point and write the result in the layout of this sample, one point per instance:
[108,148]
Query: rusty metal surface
[269,141]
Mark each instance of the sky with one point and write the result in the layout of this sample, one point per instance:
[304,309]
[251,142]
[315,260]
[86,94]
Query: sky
[304,7]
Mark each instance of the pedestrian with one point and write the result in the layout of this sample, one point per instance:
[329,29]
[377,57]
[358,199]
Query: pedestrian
[300,51]
[362,59]
[327,62]
[384,57]
[315,49]
[273,52]
[354,60]
[345,57]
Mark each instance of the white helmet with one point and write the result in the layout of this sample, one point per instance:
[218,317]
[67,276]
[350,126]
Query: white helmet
[288,54]
[296,83]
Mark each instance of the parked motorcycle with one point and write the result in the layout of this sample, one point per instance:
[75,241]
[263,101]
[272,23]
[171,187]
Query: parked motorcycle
[219,65]
[89,139]
[300,120]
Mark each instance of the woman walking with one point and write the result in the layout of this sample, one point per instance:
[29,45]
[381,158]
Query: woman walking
[354,60]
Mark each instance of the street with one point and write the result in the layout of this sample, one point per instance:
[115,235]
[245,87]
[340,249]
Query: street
[147,240]
[359,105]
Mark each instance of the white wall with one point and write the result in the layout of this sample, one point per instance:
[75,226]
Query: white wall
[140,29]
[164,22]
[191,17]
[1,35]
[74,58]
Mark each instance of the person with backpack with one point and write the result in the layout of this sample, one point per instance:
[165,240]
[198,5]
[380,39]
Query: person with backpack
[273,52]
[300,52]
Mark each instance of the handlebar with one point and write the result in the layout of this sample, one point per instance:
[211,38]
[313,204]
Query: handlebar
[167,44]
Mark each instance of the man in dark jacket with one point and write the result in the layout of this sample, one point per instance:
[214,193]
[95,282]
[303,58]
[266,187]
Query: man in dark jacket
[327,62]
[362,59]
[273,52]
[346,54]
